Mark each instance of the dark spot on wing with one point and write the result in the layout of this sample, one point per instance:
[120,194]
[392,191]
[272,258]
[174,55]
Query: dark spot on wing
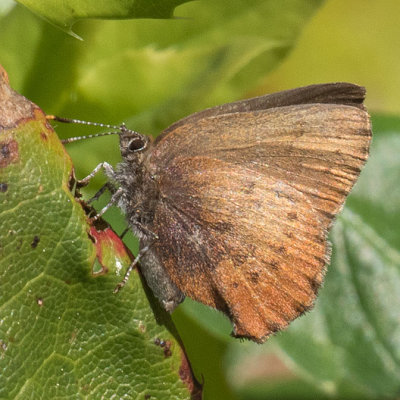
[254,277]
[282,194]
[321,260]
[355,170]
[314,285]
[319,239]
[251,248]
[289,235]
[327,214]
[274,327]
[249,188]
[222,226]
[302,308]
[292,216]
[274,265]
[282,250]
[238,258]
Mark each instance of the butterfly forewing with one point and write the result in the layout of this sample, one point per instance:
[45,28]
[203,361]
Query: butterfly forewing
[329,93]
[246,200]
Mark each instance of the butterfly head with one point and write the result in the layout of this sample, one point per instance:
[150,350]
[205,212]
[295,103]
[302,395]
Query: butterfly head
[132,144]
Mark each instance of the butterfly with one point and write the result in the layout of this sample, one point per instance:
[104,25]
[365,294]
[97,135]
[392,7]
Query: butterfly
[232,205]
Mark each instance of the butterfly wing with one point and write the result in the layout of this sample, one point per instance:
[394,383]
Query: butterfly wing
[329,93]
[246,201]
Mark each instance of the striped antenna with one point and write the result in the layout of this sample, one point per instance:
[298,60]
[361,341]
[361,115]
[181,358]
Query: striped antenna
[78,121]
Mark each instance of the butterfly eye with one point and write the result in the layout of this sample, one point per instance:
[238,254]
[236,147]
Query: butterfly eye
[136,144]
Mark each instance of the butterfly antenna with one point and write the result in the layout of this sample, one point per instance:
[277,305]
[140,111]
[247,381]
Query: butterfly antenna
[78,121]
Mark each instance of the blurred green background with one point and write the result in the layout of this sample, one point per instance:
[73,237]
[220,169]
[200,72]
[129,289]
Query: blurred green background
[150,73]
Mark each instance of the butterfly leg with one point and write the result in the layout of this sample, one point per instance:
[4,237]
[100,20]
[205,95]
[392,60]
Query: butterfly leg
[109,170]
[106,186]
[130,269]
[156,277]
[114,200]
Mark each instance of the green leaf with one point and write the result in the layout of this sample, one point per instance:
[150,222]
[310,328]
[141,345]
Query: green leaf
[350,343]
[65,13]
[63,333]
[153,70]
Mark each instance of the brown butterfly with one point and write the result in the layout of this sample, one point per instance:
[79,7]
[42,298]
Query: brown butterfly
[233,204]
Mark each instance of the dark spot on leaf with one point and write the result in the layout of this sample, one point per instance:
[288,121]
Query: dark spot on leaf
[147,396]
[3,187]
[74,334]
[3,347]
[292,216]
[85,388]
[165,345]
[5,151]
[19,244]
[35,242]
[8,152]
[167,350]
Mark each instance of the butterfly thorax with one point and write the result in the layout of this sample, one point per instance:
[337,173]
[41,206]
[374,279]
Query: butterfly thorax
[139,192]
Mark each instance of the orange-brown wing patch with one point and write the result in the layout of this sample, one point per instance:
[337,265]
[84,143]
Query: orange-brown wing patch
[246,205]
[319,149]
[241,242]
